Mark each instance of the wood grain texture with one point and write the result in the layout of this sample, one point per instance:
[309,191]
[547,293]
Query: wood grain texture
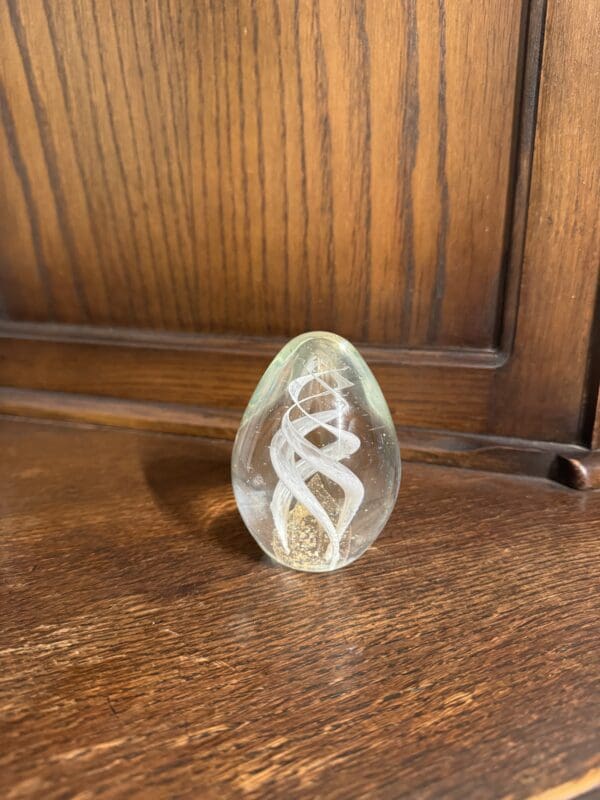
[591,415]
[547,386]
[424,389]
[173,171]
[469,451]
[222,372]
[259,168]
[157,417]
[149,651]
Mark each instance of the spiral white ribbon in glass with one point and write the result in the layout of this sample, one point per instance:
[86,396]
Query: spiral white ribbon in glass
[290,442]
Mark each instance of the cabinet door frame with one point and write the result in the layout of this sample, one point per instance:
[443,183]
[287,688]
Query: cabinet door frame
[537,392]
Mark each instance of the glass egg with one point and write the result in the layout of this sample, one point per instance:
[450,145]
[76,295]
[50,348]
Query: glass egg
[316,463]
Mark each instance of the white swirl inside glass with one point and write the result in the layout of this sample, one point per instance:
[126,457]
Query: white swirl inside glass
[295,459]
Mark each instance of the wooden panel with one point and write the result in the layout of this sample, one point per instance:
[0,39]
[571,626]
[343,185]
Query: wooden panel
[570,464]
[548,388]
[259,168]
[541,384]
[222,372]
[148,651]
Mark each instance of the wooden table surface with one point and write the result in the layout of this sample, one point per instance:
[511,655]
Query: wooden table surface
[148,650]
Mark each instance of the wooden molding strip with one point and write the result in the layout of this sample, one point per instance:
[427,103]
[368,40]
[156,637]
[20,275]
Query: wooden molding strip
[117,413]
[491,453]
[488,453]
[240,345]
[222,372]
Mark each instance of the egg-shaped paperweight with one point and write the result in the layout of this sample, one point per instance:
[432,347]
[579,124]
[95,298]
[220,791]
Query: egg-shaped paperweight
[316,463]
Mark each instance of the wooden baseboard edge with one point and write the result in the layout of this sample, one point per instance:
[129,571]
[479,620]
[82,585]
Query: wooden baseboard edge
[570,464]
[119,413]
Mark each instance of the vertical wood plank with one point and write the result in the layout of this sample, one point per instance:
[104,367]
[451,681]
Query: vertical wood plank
[541,393]
[259,168]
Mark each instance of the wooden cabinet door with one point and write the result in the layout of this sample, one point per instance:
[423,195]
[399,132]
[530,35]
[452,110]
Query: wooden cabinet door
[184,185]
